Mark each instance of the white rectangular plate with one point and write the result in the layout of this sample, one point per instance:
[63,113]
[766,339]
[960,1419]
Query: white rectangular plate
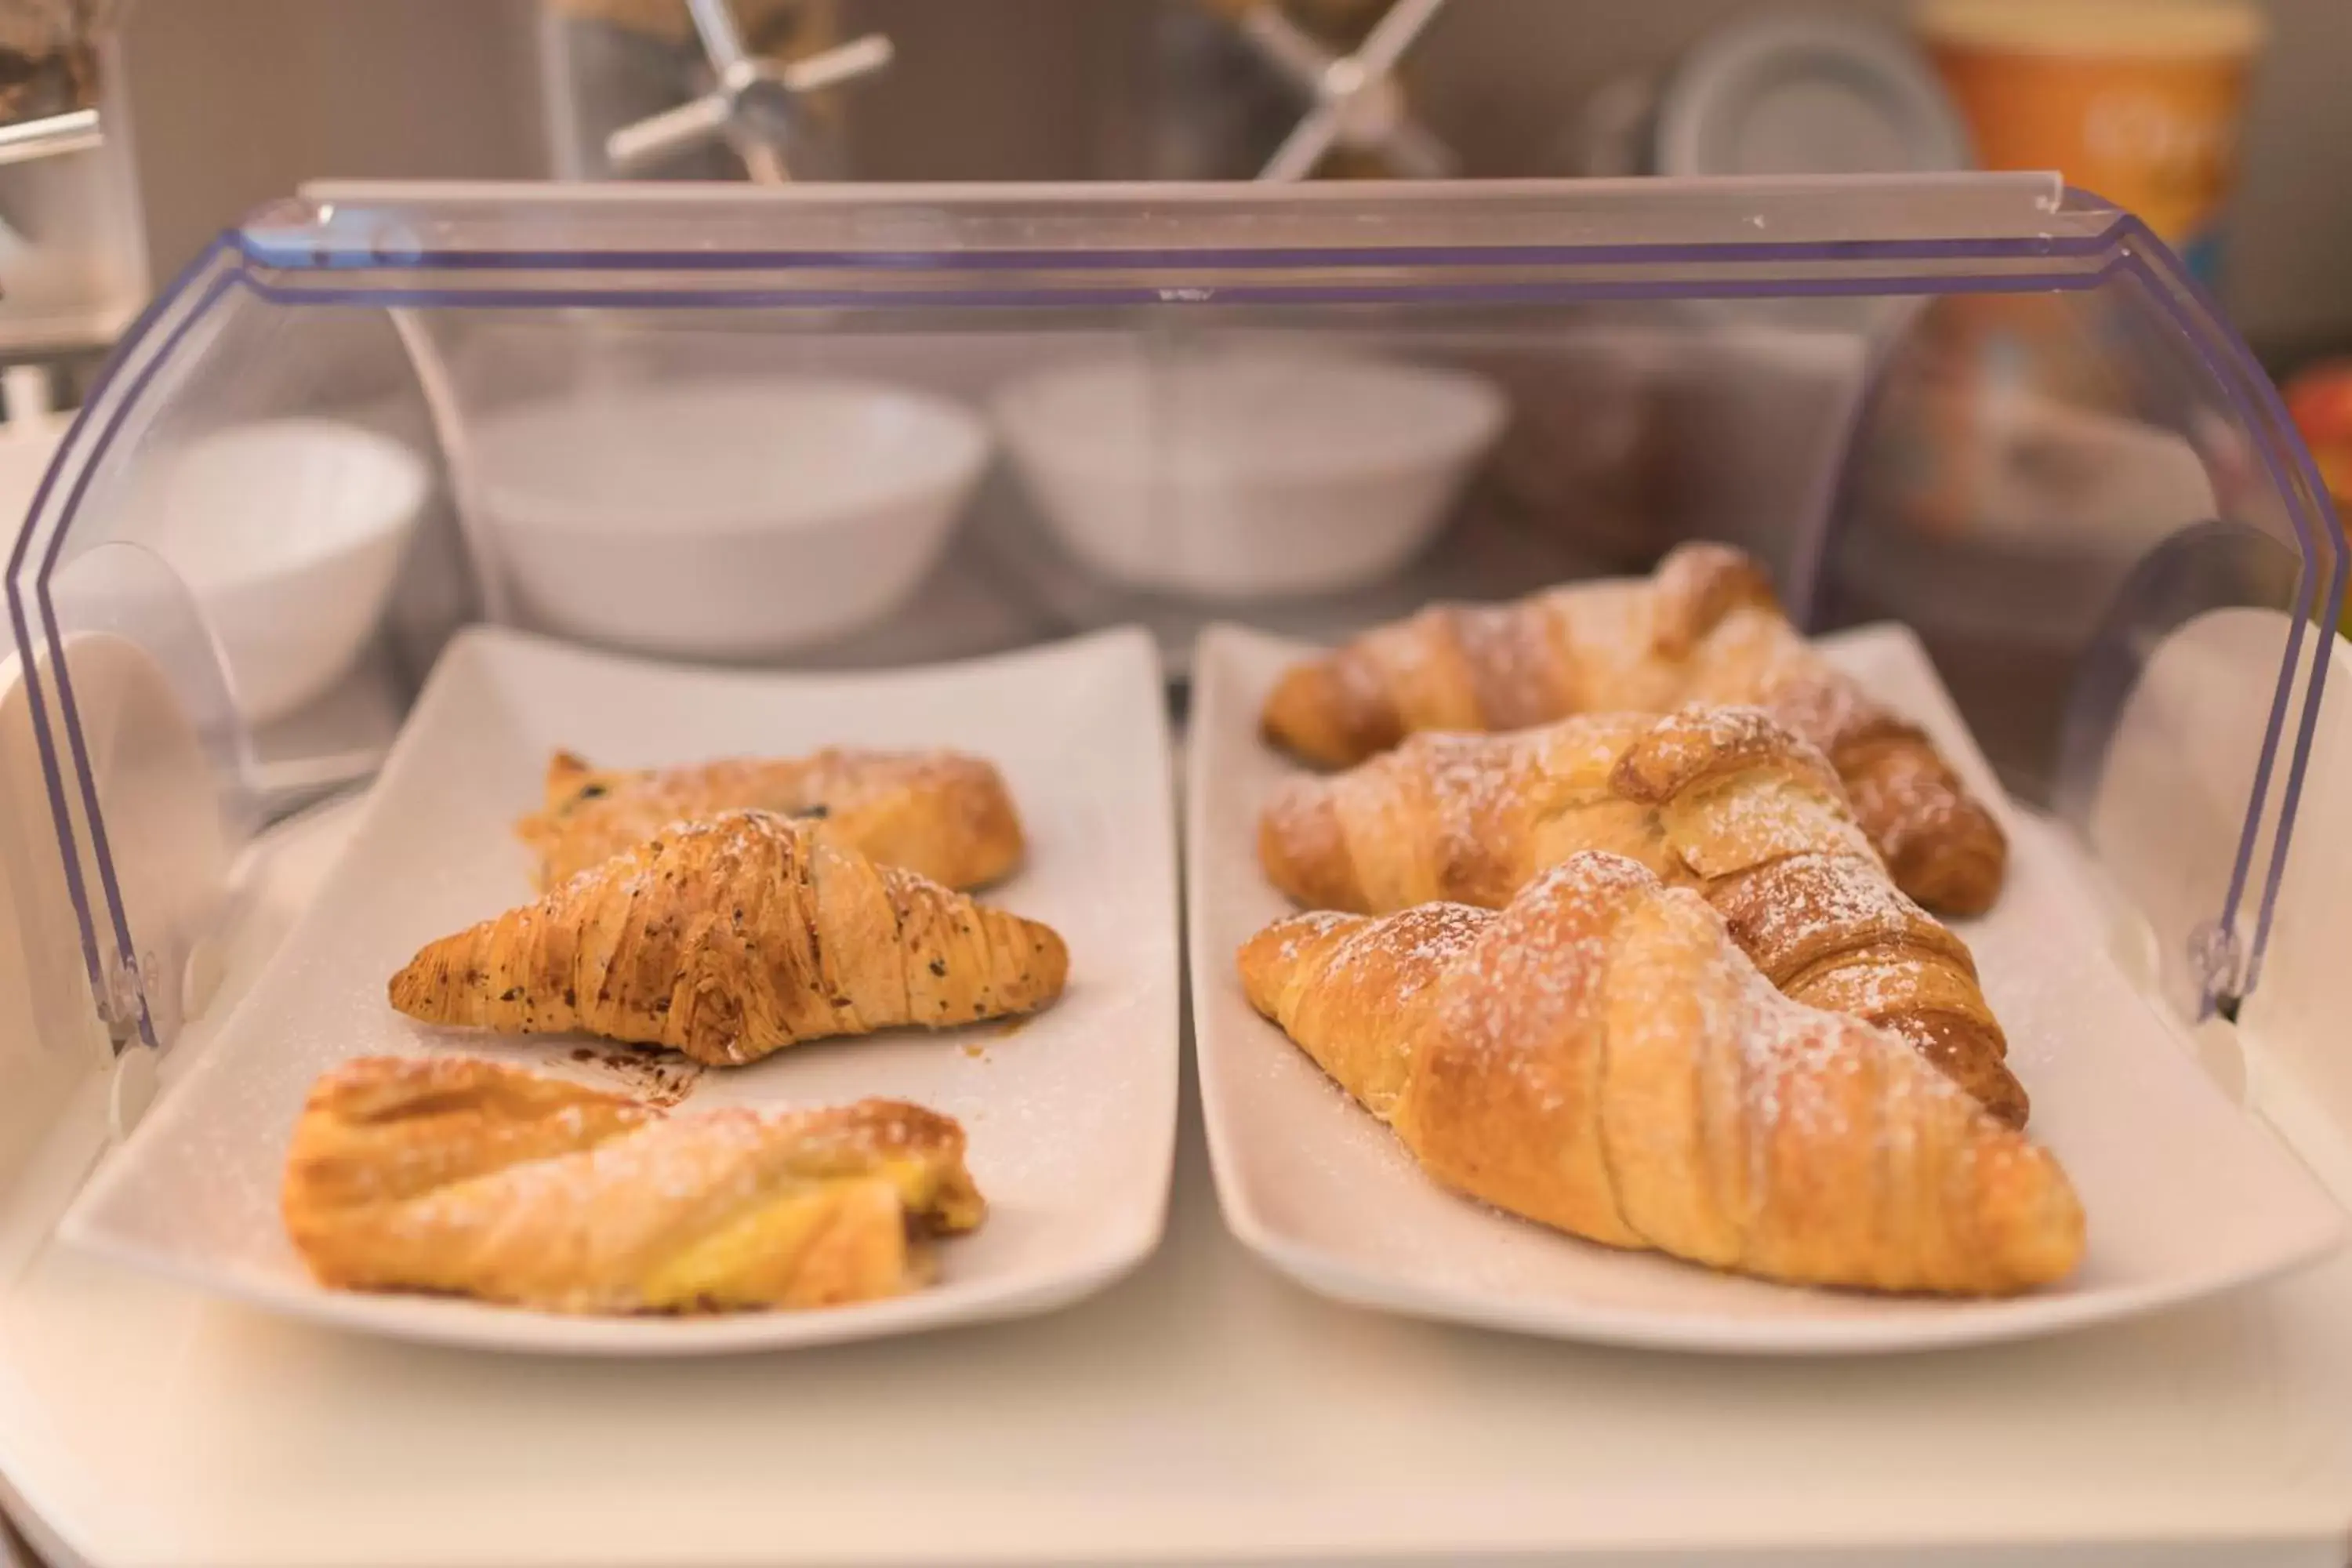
[1071,1115]
[2185,1194]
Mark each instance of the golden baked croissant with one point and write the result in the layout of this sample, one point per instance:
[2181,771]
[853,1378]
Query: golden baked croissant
[944,814]
[1719,799]
[1600,1056]
[730,939]
[1703,628]
[448,1175]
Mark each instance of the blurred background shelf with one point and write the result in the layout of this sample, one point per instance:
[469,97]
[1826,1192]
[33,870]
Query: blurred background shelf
[233,102]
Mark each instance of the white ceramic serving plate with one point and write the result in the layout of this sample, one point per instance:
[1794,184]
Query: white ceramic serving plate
[1246,475]
[1071,1115]
[722,517]
[2186,1195]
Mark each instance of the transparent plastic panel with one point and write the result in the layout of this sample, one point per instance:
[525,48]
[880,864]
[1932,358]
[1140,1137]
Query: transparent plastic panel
[881,426]
[2050,489]
[160,778]
[2165,726]
[239,532]
[2021,457]
[1312,467]
[683,227]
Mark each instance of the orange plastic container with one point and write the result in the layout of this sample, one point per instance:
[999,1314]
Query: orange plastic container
[2135,100]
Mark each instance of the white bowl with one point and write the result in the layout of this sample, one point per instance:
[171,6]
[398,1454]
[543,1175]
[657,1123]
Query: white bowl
[289,533]
[727,518]
[1247,475]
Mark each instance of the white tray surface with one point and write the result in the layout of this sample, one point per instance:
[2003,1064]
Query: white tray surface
[2185,1196]
[1071,1115]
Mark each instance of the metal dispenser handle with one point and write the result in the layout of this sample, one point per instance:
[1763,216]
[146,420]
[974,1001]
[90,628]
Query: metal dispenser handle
[1357,103]
[751,106]
[74,131]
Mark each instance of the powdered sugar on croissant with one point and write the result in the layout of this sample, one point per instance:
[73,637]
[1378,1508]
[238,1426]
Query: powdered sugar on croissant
[1704,629]
[1722,800]
[1600,1056]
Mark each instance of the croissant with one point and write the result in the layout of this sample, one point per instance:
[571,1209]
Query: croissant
[1722,800]
[1600,1056]
[730,939]
[455,1175]
[1704,627]
[944,814]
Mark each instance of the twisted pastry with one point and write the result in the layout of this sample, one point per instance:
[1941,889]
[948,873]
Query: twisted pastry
[1704,629]
[1600,1056]
[1722,800]
[941,815]
[733,938]
[471,1177]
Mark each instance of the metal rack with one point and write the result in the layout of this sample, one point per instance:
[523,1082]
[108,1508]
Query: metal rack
[755,106]
[1353,97]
